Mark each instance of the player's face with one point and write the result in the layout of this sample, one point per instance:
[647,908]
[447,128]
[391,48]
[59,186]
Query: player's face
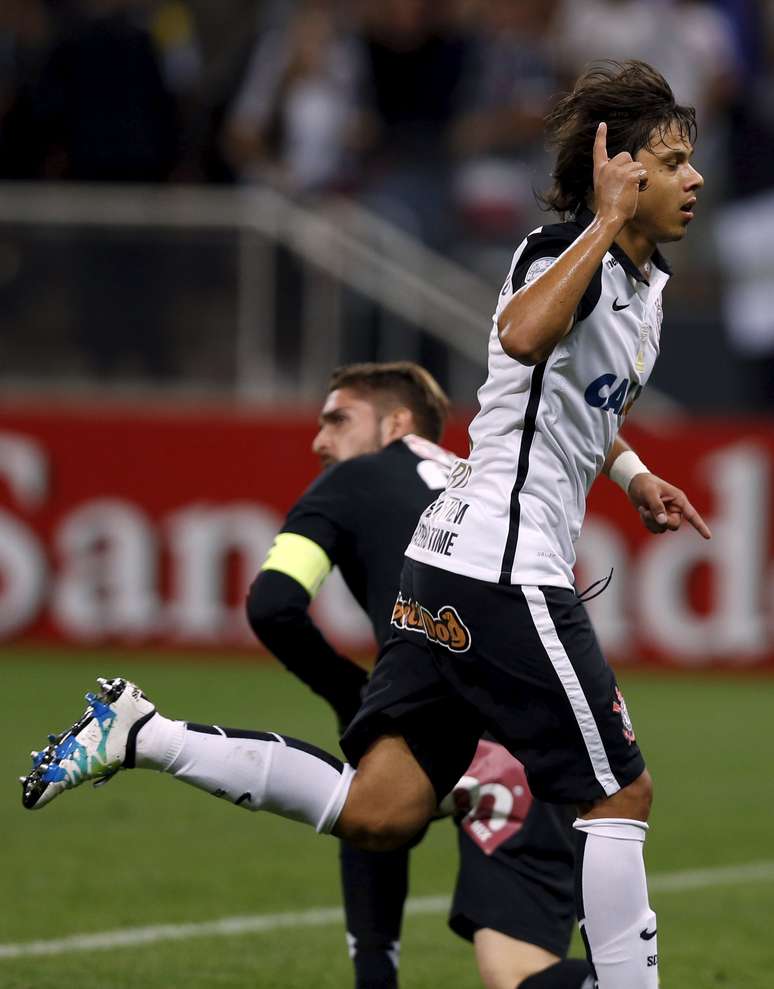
[349,427]
[666,204]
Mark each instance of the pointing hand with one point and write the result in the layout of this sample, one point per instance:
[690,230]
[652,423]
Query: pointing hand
[617,181]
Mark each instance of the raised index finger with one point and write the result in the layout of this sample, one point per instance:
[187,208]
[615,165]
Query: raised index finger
[600,145]
[690,513]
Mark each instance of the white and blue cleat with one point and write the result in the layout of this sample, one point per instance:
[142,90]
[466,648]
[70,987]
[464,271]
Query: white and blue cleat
[100,743]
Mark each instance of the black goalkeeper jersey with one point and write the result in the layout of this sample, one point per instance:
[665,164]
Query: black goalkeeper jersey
[363,512]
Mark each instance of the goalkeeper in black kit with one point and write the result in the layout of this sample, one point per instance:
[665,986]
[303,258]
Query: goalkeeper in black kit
[379,428]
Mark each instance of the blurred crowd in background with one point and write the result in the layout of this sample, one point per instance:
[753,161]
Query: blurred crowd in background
[428,111]
[358,96]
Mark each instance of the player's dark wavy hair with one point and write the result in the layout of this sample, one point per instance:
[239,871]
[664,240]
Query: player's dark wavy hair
[637,104]
[399,383]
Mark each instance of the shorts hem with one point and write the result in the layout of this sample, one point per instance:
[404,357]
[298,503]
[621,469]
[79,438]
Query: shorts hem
[466,927]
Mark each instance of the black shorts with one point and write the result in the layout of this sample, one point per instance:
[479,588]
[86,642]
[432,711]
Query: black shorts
[520,662]
[525,887]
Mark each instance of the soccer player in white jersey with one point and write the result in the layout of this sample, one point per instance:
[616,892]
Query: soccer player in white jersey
[514,899]
[489,632]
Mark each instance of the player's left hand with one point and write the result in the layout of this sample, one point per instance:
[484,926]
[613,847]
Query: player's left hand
[662,506]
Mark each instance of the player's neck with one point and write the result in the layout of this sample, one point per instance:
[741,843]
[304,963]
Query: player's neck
[637,246]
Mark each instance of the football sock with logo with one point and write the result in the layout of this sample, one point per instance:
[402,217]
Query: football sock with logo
[616,921]
[375,885]
[252,769]
[572,973]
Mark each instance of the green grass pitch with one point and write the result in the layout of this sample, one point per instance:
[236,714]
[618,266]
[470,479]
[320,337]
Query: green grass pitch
[145,851]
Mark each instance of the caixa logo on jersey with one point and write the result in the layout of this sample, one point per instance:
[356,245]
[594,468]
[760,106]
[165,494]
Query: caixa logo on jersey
[613,394]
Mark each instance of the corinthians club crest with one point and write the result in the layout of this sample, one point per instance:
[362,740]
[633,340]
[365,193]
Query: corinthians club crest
[619,707]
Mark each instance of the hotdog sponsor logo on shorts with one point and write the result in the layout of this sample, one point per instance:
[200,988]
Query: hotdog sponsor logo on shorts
[619,707]
[446,628]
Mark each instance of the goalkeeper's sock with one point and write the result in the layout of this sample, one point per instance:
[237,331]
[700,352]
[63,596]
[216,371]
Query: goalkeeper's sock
[375,886]
[252,769]
[617,924]
[572,973]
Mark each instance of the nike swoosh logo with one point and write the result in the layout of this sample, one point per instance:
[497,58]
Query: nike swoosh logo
[617,308]
[647,935]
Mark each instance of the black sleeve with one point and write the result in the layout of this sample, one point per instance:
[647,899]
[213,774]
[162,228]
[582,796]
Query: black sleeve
[324,511]
[277,609]
[543,246]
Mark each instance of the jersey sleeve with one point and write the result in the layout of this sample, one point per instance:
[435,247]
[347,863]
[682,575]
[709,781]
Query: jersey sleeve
[277,610]
[539,253]
[536,255]
[309,543]
[323,511]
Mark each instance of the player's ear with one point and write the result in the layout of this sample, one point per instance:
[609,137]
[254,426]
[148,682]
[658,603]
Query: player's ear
[398,422]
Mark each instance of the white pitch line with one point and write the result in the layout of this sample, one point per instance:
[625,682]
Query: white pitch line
[724,875]
[665,882]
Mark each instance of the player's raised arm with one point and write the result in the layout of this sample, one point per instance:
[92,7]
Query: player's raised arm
[543,311]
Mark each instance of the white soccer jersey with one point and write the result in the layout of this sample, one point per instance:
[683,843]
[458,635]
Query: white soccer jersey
[512,511]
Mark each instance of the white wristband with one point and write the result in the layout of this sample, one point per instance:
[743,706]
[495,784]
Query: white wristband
[625,467]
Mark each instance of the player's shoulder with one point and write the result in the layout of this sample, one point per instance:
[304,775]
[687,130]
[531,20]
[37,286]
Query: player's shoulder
[543,245]
[401,454]
[337,477]
[399,458]
[424,449]
[360,471]
[539,250]
[563,232]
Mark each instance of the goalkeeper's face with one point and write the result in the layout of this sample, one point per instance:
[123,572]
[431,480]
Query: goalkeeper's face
[350,426]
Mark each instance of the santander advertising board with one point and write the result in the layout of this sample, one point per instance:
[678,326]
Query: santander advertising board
[144,526]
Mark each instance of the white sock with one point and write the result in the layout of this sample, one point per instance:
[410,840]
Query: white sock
[616,921]
[158,743]
[255,770]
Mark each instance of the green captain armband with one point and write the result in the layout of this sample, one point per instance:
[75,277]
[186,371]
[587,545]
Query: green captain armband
[299,558]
